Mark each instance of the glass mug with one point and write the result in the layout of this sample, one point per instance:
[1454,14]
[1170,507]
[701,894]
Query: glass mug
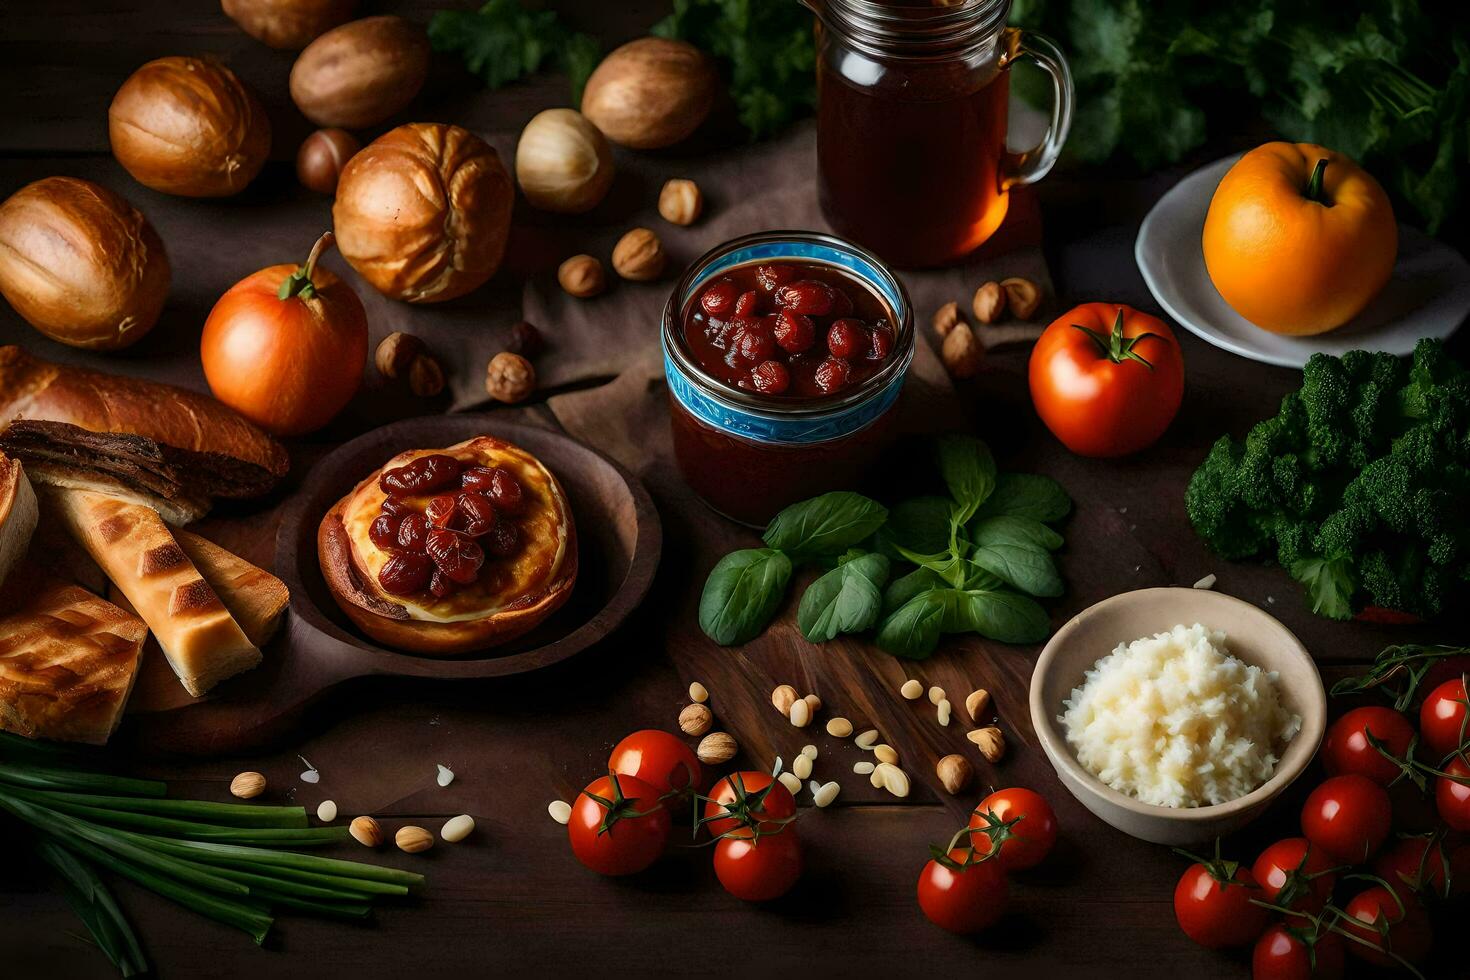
[911,122]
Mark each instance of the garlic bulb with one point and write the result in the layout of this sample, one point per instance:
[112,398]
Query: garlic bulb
[563,162]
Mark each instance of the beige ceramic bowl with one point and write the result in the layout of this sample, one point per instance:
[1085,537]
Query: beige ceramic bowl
[1252,635]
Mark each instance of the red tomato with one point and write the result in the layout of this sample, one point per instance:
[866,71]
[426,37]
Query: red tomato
[1294,874]
[964,895]
[748,798]
[761,869]
[1282,953]
[1446,669]
[1409,934]
[1442,718]
[658,758]
[1214,907]
[1452,797]
[1346,748]
[1020,822]
[1417,863]
[1106,379]
[624,831]
[1348,817]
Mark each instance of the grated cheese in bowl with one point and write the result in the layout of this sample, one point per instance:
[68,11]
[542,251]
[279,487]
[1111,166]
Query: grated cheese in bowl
[1174,720]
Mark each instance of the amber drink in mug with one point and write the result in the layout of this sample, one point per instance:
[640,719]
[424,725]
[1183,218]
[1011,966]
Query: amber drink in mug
[911,116]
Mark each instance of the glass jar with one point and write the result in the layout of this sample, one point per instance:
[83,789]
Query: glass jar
[748,454]
[911,123]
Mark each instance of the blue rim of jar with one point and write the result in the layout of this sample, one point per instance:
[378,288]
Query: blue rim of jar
[771,418]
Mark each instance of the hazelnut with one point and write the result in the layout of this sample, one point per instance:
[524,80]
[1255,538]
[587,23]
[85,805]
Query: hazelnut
[991,741]
[962,353]
[977,702]
[582,276]
[425,377]
[247,785]
[1022,295]
[395,355]
[366,831]
[783,698]
[989,303]
[680,202]
[715,748]
[322,156]
[412,840]
[695,719]
[525,340]
[955,773]
[639,256]
[946,317]
[510,378]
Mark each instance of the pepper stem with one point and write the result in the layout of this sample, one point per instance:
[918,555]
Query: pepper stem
[299,282]
[1314,183]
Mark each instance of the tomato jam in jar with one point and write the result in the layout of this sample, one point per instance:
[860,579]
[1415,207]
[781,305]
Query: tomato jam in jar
[785,353]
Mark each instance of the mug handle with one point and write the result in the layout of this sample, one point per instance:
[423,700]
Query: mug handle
[1029,166]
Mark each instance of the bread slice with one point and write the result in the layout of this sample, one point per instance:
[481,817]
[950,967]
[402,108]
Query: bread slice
[197,634]
[255,597]
[181,509]
[17,514]
[67,664]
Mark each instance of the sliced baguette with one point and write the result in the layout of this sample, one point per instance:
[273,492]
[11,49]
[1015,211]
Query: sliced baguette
[203,643]
[17,514]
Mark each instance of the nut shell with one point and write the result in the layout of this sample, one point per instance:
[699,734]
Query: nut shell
[509,378]
[413,840]
[422,212]
[287,24]
[650,93]
[188,126]
[247,785]
[639,256]
[80,264]
[582,276]
[961,352]
[680,202]
[361,73]
[563,163]
[322,156]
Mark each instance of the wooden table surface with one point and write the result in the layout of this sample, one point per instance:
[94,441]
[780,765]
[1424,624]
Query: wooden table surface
[511,901]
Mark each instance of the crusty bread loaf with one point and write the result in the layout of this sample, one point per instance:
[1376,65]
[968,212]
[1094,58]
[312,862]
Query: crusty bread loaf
[17,514]
[197,634]
[67,664]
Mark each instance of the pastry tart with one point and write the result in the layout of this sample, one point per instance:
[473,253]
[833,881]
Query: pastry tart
[449,551]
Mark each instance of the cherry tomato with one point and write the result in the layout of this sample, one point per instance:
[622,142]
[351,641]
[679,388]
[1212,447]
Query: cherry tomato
[659,759]
[963,894]
[619,825]
[1295,875]
[761,869]
[1213,905]
[748,798]
[1347,749]
[1348,817]
[1442,718]
[1106,379]
[1021,821]
[1409,934]
[1446,669]
[1452,797]
[1417,863]
[1286,953]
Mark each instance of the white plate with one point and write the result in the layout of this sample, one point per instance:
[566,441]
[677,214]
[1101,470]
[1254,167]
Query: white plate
[1428,296]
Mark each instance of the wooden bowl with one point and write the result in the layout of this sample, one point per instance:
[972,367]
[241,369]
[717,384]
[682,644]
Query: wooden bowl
[1252,635]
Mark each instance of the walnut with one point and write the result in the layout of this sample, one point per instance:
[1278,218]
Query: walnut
[962,353]
[582,276]
[639,256]
[946,317]
[989,303]
[510,378]
[1023,297]
[680,202]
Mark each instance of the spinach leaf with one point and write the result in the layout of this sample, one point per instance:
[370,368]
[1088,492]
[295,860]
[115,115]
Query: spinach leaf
[825,525]
[848,599]
[1027,495]
[969,472]
[913,629]
[1000,615]
[919,525]
[1014,530]
[1026,566]
[743,592]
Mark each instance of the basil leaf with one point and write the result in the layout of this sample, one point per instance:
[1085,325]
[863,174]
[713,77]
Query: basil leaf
[1002,615]
[847,599]
[825,525]
[743,592]
[1027,495]
[969,472]
[913,629]
[919,525]
[1026,566]
[1014,530]
[901,590]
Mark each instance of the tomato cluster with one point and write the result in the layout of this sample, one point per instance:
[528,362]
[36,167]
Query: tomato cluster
[965,887]
[621,823]
[1392,815]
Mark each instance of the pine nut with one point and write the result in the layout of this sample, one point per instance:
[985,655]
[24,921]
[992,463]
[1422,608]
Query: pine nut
[698,693]
[814,786]
[864,768]
[936,694]
[801,766]
[457,828]
[326,811]
[876,778]
[826,794]
[790,782]
[810,751]
[365,831]
[886,753]
[813,702]
[976,703]
[895,780]
[783,697]
[412,840]
[801,713]
[944,710]
[911,689]
[867,739]
[560,810]
[839,728]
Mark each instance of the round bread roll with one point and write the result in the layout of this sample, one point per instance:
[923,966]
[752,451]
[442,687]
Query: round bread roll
[422,212]
[188,126]
[80,264]
[288,24]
